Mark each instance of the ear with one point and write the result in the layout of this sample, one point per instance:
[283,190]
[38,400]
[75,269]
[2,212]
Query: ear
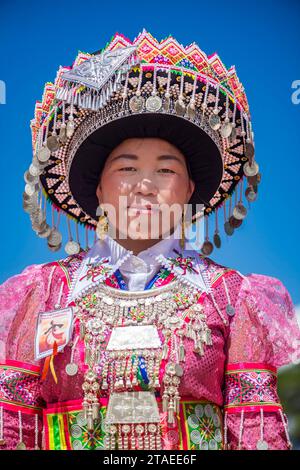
[99,192]
[191,188]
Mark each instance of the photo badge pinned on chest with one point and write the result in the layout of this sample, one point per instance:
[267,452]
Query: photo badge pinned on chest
[53,326]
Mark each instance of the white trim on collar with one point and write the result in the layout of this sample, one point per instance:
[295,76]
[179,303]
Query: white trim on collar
[108,255]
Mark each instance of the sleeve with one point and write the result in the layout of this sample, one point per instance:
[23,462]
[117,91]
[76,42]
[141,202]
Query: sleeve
[21,404]
[263,335]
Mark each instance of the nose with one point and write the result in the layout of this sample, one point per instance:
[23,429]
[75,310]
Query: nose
[146,187]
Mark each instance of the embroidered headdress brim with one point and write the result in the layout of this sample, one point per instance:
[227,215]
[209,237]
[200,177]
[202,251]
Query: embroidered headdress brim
[199,104]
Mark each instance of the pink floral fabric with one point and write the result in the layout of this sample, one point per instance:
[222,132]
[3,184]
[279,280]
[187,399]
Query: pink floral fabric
[263,329]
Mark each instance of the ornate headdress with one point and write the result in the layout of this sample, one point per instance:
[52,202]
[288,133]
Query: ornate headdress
[131,89]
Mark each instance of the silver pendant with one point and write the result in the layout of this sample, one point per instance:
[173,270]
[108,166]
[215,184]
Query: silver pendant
[21,446]
[71,369]
[251,170]
[72,247]
[136,104]
[215,122]
[180,108]
[63,134]
[166,104]
[228,228]
[44,154]
[262,445]
[230,310]
[70,128]
[52,143]
[233,134]
[153,103]
[191,111]
[226,130]
[239,212]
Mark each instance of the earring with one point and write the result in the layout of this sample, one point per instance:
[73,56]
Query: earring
[102,226]
[182,239]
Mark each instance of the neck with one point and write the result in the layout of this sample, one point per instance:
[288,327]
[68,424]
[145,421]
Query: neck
[136,246]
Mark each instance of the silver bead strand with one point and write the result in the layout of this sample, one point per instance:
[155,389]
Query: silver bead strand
[241,430]
[58,303]
[285,425]
[2,440]
[225,430]
[36,432]
[229,308]
[261,443]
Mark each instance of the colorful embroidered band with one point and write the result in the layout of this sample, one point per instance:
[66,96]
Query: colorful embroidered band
[250,387]
[199,427]
[20,387]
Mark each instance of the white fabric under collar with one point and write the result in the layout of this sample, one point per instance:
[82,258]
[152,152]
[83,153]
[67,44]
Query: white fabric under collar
[110,256]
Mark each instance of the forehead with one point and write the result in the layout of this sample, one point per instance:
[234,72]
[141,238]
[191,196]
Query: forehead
[153,146]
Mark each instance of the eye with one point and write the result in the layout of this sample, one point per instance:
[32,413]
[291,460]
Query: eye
[127,168]
[166,170]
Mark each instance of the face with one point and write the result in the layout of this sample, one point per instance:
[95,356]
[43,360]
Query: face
[142,179]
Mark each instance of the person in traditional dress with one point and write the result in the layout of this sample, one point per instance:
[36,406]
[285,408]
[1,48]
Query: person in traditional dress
[141,340]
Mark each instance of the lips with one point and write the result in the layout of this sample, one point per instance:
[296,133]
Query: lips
[143,208]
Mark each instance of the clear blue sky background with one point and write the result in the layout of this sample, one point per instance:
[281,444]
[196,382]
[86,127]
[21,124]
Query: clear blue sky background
[260,37]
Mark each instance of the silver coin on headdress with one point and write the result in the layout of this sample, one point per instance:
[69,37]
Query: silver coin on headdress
[35,170]
[249,150]
[55,237]
[52,143]
[250,194]
[31,189]
[214,121]
[207,248]
[54,248]
[72,247]
[228,228]
[226,130]
[217,240]
[239,211]
[44,231]
[44,154]
[29,178]
[153,103]
[136,103]
[235,223]
[251,170]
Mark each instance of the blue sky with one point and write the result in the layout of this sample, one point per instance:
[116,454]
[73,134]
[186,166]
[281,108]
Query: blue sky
[260,38]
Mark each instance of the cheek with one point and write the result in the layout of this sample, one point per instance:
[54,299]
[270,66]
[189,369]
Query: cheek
[114,185]
[175,190]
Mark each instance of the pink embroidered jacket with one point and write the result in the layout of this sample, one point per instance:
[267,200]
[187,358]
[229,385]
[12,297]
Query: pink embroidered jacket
[238,373]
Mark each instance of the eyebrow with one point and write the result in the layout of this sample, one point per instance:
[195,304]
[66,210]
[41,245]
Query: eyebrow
[131,156]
